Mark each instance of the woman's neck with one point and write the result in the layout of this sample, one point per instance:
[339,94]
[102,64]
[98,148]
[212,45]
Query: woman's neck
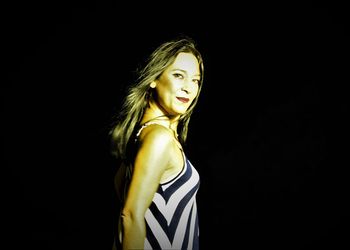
[155,115]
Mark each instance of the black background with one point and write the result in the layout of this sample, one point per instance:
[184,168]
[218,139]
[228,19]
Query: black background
[269,137]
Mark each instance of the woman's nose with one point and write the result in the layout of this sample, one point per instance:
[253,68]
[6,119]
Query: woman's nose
[187,87]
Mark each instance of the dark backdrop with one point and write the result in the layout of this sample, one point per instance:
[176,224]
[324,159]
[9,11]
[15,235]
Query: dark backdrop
[269,137]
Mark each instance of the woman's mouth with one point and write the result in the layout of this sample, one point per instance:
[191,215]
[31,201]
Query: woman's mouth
[183,99]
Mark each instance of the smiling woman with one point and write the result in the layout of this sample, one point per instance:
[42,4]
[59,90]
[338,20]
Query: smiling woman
[175,89]
[156,183]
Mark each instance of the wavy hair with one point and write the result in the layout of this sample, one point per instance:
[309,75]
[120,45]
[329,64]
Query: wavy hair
[138,95]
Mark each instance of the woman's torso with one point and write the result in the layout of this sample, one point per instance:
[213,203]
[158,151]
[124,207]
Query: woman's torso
[172,220]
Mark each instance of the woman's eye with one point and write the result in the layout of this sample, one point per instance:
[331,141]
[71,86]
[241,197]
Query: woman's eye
[177,75]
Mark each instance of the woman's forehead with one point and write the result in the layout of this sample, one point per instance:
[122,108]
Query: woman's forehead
[185,62]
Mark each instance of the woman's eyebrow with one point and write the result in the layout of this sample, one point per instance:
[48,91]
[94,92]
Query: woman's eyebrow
[184,71]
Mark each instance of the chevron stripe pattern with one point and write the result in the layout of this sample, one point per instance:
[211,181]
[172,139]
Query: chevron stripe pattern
[172,219]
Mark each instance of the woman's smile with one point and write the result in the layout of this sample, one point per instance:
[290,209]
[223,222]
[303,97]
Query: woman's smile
[183,99]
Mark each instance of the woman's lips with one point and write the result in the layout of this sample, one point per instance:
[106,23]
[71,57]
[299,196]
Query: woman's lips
[183,99]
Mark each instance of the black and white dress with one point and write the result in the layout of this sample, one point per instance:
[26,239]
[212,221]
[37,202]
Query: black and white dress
[172,219]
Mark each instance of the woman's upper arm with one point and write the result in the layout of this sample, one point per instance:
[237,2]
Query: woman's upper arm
[150,163]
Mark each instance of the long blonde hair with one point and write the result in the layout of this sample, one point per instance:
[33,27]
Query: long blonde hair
[139,93]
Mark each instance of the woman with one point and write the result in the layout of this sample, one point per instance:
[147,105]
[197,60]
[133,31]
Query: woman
[156,183]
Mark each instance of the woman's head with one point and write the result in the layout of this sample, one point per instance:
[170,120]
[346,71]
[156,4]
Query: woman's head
[173,92]
[181,55]
[179,59]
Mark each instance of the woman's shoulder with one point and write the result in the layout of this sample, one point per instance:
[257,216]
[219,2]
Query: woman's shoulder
[154,132]
[155,148]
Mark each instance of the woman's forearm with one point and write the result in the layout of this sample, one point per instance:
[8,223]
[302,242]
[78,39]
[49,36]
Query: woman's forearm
[134,233]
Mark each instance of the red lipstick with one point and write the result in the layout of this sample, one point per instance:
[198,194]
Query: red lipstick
[183,99]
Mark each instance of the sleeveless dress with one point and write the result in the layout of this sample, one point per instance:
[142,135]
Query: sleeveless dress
[172,219]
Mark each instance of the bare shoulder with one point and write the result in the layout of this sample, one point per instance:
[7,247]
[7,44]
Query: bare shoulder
[156,134]
[156,143]
[154,152]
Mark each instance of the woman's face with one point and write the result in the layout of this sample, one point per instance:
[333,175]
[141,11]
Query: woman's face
[178,85]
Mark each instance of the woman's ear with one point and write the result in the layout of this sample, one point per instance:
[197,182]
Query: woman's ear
[153,85]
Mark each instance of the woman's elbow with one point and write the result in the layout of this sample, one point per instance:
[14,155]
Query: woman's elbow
[130,217]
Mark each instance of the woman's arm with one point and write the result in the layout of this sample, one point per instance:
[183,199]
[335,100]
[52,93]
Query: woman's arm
[151,161]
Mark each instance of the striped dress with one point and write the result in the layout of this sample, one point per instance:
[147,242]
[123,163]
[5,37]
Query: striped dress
[172,219]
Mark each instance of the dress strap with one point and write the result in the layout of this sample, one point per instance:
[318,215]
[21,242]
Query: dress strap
[145,125]
[154,122]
